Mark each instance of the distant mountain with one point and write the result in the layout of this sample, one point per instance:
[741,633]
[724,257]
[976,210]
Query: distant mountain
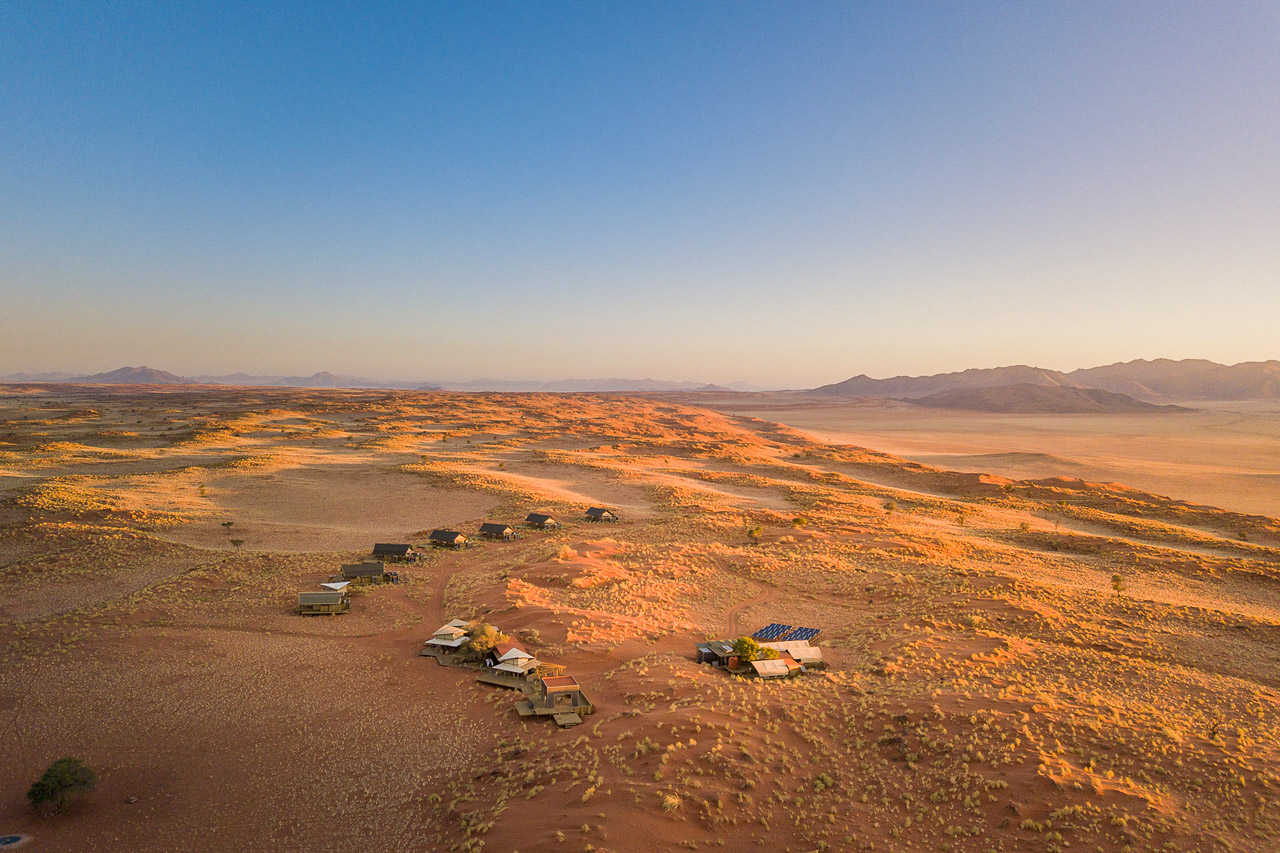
[132,376]
[1188,379]
[906,387]
[1026,398]
[325,379]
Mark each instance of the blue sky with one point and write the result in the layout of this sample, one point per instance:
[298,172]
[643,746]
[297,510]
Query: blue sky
[781,193]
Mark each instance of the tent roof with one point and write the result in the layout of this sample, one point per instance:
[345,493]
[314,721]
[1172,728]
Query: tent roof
[520,666]
[770,668]
[798,649]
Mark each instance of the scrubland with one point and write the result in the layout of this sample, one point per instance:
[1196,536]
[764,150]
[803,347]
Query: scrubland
[1045,664]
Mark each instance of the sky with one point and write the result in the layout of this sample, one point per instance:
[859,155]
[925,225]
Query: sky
[785,194]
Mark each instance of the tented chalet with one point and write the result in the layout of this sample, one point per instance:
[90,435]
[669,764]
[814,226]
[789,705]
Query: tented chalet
[328,602]
[559,697]
[510,658]
[597,513]
[450,636]
[541,521]
[562,693]
[447,539]
[391,553]
[492,530]
[367,573]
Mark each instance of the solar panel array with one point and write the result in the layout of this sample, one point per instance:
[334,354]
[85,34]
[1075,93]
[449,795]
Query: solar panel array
[772,631]
[778,631]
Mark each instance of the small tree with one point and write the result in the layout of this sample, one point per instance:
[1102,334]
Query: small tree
[753,533]
[799,521]
[1117,583]
[748,649]
[66,779]
[482,638]
[236,543]
[226,525]
[889,507]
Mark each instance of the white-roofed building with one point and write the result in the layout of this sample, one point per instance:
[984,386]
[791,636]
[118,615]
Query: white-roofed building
[449,636]
[798,649]
[776,668]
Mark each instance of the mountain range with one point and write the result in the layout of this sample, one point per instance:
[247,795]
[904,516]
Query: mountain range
[1160,380]
[1157,381]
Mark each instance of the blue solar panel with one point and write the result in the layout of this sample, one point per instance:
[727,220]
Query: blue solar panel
[804,633]
[772,631]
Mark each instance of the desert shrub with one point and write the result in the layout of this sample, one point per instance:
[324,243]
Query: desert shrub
[66,779]
[748,649]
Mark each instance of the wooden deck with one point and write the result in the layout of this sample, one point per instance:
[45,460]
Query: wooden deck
[565,717]
[443,658]
[502,679]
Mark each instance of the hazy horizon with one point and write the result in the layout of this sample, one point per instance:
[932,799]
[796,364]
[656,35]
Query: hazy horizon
[779,195]
[481,381]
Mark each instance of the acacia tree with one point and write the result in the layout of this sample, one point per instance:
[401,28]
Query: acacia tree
[753,533]
[481,639]
[66,779]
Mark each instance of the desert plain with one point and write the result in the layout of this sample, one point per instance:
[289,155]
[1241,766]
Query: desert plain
[1041,633]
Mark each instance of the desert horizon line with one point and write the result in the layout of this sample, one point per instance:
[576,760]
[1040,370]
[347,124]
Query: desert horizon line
[163,376]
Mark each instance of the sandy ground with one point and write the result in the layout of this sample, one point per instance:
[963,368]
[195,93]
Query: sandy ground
[1221,454]
[1012,663]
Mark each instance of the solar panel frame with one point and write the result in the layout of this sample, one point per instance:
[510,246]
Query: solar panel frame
[804,633]
[772,631]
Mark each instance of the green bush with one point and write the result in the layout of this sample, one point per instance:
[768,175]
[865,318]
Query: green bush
[65,780]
